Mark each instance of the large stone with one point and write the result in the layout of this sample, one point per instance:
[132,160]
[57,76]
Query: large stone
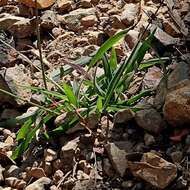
[177,103]
[150,120]
[117,152]
[154,169]
[13,80]
[19,27]
[72,20]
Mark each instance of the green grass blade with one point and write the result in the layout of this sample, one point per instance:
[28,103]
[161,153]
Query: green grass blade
[70,94]
[113,59]
[151,62]
[107,45]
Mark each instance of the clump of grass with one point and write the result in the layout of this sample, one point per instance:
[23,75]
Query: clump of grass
[100,95]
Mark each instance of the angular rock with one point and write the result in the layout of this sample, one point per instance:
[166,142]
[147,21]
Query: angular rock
[37,173]
[152,77]
[177,102]
[124,116]
[19,27]
[68,151]
[39,184]
[154,169]
[47,166]
[129,14]
[117,154]
[72,20]
[165,38]
[150,120]
[89,21]
[14,78]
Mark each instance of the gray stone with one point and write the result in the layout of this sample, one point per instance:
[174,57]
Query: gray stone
[15,77]
[72,20]
[150,120]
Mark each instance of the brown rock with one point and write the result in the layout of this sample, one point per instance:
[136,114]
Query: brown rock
[171,29]
[86,3]
[19,27]
[3,2]
[152,77]
[64,5]
[150,120]
[132,38]
[37,173]
[154,169]
[50,155]
[41,4]
[72,20]
[177,103]
[89,21]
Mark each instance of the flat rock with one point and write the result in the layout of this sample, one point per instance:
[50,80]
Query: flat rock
[154,169]
[150,120]
[72,20]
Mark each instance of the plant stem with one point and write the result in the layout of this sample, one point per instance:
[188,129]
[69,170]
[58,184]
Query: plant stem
[39,45]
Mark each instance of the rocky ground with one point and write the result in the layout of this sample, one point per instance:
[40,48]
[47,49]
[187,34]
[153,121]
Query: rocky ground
[146,150]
